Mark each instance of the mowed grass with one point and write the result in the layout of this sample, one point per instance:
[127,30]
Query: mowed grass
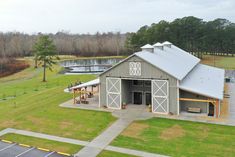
[42,143]
[106,153]
[179,138]
[33,105]
[225,62]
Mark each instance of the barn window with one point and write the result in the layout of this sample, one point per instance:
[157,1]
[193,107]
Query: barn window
[135,68]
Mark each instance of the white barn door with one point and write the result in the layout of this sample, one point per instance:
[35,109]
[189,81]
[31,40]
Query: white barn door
[160,96]
[113,91]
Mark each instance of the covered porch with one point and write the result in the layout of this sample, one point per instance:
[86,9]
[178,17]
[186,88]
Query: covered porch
[198,105]
[87,93]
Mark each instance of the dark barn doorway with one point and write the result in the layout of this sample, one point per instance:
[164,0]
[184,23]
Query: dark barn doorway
[137,98]
[148,99]
[211,109]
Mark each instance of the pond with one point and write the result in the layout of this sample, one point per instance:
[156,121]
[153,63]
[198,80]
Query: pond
[89,66]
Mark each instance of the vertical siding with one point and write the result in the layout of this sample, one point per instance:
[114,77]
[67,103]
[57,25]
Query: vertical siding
[148,71]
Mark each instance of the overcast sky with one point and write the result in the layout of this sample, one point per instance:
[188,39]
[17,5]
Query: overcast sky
[82,16]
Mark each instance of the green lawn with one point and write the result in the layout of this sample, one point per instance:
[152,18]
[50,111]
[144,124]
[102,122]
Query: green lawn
[36,105]
[42,143]
[56,146]
[225,62]
[106,153]
[179,138]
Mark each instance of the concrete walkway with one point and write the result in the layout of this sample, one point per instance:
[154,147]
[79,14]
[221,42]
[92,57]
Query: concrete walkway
[132,152]
[104,139]
[135,112]
[126,117]
[91,146]
[44,136]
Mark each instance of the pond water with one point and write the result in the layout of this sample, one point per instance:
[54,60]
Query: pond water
[82,66]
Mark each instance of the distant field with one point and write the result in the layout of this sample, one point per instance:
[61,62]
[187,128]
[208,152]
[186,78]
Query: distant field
[225,62]
[178,138]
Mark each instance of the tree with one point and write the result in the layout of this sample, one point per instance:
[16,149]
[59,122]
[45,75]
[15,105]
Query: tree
[46,52]
[189,33]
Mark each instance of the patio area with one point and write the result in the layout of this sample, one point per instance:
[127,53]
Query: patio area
[93,104]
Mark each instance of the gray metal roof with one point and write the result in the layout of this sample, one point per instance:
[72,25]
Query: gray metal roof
[193,77]
[174,61]
[204,80]
[167,43]
[158,44]
[89,83]
[147,46]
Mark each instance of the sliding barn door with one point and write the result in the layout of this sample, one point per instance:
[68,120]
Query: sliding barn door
[160,96]
[113,91]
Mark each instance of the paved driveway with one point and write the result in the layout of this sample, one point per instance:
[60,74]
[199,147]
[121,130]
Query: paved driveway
[15,150]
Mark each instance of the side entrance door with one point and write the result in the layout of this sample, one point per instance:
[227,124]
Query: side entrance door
[160,96]
[137,98]
[113,93]
[148,98]
[211,109]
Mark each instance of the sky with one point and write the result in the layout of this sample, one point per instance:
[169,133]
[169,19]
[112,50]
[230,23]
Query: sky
[90,16]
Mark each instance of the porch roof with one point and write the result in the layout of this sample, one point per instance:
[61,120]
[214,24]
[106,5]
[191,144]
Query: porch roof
[86,84]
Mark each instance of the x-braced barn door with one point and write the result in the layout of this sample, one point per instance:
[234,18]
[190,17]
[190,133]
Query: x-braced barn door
[113,90]
[160,96]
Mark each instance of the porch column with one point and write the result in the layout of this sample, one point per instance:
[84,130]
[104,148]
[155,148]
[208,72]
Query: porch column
[98,90]
[74,101]
[217,108]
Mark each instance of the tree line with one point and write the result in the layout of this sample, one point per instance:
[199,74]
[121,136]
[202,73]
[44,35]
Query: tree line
[189,33]
[16,44]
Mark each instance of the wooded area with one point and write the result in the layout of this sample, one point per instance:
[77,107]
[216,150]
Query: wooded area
[189,33]
[15,44]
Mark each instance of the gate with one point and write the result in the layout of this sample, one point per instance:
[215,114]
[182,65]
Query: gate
[113,91]
[160,96]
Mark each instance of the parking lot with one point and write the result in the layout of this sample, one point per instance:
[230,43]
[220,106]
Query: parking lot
[9,149]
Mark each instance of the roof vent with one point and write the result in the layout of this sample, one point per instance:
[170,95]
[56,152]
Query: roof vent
[158,45]
[167,43]
[147,47]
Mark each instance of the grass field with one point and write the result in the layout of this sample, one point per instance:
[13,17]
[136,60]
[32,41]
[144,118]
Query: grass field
[55,146]
[179,138]
[42,143]
[219,61]
[29,104]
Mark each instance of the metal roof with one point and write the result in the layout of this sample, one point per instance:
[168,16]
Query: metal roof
[174,61]
[167,43]
[158,44]
[147,46]
[205,80]
[86,84]
[193,77]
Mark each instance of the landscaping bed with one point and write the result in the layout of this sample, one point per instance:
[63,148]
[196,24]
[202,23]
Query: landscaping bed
[11,66]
